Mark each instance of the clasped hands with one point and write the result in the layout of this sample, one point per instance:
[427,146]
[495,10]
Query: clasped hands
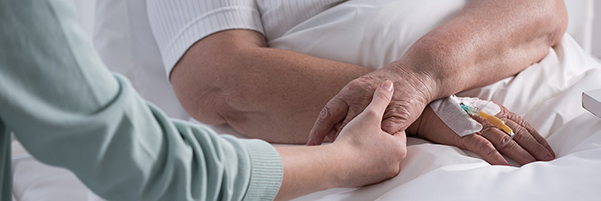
[408,111]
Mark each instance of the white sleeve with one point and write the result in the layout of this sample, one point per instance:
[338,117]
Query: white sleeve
[178,24]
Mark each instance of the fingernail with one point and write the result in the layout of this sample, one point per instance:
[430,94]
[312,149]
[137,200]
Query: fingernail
[387,85]
[548,158]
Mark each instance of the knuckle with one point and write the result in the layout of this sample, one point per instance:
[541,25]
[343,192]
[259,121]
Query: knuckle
[361,85]
[403,155]
[489,131]
[504,111]
[504,114]
[397,114]
[519,120]
[400,154]
[504,140]
[394,170]
[404,111]
[357,92]
[393,163]
[519,133]
[325,113]
[356,84]
[486,148]
[505,145]
[396,109]
[488,128]
[395,119]
[464,142]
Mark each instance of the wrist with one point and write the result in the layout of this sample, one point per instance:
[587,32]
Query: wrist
[440,66]
[340,160]
[343,165]
[351,167]
[308,169]
[424,81]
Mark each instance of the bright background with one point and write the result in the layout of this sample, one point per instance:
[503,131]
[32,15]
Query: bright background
[597,30]
[86,12]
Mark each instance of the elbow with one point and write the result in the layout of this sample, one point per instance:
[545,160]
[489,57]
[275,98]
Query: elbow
[206,81]
[208,103]
[198,92]
[207,110]
[202,80]
[202,103]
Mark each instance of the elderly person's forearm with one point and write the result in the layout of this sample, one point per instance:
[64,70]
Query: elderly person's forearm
[233,77]
[486,42]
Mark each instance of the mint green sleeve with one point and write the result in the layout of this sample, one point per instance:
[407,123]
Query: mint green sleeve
[68,110]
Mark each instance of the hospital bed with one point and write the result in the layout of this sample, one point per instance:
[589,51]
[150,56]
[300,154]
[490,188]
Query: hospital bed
[547,94]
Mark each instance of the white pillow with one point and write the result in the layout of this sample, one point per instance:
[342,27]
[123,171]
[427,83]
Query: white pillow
[580,22]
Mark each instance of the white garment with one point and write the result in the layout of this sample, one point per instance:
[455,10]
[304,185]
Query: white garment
[178,24]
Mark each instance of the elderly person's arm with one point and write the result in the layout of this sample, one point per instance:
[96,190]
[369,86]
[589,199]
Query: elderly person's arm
[487,41]
[223,72]
[233,77]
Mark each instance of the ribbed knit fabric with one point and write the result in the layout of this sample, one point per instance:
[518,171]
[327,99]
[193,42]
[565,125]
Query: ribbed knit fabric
[266,173]
[178,24]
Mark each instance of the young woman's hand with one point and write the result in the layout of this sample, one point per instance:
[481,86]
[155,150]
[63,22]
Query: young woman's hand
[376,154]
[526,146]
[362,154]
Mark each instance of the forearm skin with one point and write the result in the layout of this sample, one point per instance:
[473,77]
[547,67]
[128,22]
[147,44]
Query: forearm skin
[486,42]
[233,77]
[262,92]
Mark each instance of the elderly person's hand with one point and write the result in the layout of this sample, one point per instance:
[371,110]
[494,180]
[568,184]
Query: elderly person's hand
[473,49]
[527,145]
[413,91]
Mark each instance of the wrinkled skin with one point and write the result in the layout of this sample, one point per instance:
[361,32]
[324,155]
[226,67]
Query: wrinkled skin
[526,146]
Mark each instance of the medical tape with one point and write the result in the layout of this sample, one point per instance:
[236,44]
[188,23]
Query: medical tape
[451,113]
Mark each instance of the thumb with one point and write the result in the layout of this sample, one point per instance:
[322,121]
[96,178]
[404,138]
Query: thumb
[381,99]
